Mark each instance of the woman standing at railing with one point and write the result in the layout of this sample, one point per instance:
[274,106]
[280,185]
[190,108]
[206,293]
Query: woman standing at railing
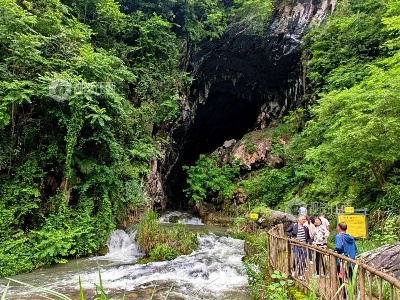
[311,228]
[320,239]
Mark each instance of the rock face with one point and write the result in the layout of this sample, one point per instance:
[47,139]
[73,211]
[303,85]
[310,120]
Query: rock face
[252,151]
[385,258]
[209,215]
[275,217]
[243,80]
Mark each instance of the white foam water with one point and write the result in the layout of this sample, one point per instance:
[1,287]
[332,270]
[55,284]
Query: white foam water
[209,272]
[214,271]
[182,217]
[121,247]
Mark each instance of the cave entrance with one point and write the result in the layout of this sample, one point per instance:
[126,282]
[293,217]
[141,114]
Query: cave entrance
[225,115]
[239,73]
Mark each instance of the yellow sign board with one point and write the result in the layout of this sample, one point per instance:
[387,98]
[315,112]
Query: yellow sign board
[254,216]
[349,209]
[356,225]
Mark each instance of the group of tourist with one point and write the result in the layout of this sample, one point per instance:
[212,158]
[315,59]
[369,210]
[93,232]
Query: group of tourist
[315,230]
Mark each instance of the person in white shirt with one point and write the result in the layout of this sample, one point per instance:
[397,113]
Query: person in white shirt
[324,221]
[320,239]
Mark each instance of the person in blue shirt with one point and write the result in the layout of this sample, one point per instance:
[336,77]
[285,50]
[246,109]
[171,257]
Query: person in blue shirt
[346,245]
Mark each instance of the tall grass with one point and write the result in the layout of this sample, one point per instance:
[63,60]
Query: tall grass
[3,297]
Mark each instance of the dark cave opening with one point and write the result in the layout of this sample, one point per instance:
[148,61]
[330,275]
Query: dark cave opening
[225,115]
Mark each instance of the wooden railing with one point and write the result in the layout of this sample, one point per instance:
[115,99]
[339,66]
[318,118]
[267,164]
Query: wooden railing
[326,276]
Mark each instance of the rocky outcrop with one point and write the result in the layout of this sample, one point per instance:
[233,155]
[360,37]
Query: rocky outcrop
[209,215]
[252,152]
[275,217]
[239,196]
[385,258]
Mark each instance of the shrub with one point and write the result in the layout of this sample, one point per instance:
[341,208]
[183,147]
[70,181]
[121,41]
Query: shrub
[206,177]
[161,243]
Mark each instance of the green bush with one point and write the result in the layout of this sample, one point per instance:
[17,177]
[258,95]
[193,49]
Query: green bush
[161,243]
[163,252]
[206,177]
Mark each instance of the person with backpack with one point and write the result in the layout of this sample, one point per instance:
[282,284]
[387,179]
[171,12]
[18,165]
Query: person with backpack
[346,245]
[302,234]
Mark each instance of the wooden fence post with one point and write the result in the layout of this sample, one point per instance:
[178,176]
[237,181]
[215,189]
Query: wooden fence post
[361,271]
[289,255]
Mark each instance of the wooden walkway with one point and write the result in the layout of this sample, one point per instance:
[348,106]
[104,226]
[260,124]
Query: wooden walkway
[292,257]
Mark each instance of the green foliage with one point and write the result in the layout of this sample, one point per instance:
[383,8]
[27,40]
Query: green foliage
[339,51]
[389,232]
[148,230]
[253,13]
[255,280]
[391,20]
[278,288]
[83,157]
[206,177]
[163,252]
[250,148]
[389,201]
[271,186]
[360,125]
[255,264]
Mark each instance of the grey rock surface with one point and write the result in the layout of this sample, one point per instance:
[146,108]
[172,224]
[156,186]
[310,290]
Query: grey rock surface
[385,258]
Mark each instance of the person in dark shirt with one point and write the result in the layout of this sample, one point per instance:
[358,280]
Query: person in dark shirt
[301,233]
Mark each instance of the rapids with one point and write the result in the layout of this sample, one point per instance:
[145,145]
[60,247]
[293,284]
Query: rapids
[214,271]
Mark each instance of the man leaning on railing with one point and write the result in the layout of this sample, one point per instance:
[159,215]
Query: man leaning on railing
[301,233]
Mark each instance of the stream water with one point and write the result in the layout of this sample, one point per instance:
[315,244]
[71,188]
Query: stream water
[214,271]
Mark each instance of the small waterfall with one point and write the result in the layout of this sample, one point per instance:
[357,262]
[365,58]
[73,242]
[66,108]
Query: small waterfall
[120,241]
[121,247]
[180,217]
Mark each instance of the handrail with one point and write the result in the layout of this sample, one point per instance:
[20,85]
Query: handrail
[291,256]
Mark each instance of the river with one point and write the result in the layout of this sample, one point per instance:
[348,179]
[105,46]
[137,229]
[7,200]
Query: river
[214,271]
